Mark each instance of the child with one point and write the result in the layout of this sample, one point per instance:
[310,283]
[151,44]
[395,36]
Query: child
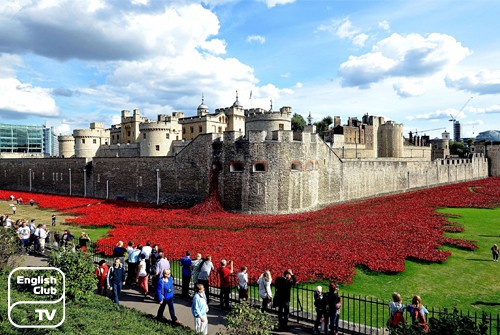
[101,273]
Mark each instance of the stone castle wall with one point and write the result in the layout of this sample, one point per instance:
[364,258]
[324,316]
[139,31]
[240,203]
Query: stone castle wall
[252,174]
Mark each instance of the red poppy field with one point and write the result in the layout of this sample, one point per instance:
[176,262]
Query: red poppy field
[328,243]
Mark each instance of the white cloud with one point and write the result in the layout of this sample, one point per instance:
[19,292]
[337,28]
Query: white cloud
[409,88]
[359,40]
[256,38]
[273,3]
[493,109]
[63,129]
[107,30]
[23,98]
[344,29]
[482,82]
[412,55]
[442,114]
[214,46]
[384,25]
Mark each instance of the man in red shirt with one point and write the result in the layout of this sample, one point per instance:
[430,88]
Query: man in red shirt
[225,282]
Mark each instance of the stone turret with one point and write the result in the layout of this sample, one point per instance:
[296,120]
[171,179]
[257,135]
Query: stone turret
[390,140]
[66,146]
[260,119]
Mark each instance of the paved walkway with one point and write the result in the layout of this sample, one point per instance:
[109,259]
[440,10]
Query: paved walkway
[130,297]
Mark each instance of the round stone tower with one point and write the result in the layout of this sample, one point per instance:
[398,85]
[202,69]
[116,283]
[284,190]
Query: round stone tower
[66,146]
[88,141]
[156,137]
[260,119]
[390,140]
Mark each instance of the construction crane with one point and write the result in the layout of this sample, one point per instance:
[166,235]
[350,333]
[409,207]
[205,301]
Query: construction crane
[423,131]
[456,124]
[461,109]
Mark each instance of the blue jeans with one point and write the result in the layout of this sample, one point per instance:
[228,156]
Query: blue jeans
[117,289]
[170,303]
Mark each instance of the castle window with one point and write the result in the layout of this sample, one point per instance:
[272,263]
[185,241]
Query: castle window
[281,126]
[157,148]
[220,129]
[112,137]
[177,137]
[296,166]
[128,133]
[94,141]
[144,135]
[183,130]
[192,130]
[167,136]
[83,141]
[259,167]
[236,167]
[117,137]
[200,129]
[309,166]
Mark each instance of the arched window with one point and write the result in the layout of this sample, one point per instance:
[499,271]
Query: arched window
[309,166]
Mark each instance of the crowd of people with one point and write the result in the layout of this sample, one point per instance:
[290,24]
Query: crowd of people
[147,268]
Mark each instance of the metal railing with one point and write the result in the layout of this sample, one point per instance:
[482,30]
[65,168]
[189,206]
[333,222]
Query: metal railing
[358,315]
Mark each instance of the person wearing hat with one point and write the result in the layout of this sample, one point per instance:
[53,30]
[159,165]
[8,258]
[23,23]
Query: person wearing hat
[282,297]
[320,306]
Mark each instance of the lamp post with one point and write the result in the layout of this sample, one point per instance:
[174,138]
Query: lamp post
[69,170]
[107,189]
[84,182]
[157,186]
[30,179]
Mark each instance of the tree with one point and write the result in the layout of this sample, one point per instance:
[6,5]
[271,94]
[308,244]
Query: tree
[298,122]
[458,148]
[323,125]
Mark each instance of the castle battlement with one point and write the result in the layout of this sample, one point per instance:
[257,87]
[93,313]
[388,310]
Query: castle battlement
[262,114]
[89,133]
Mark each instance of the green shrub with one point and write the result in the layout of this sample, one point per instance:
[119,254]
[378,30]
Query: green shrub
[9,247]
[447,324]
[247,320]
[79,271]
[454,324]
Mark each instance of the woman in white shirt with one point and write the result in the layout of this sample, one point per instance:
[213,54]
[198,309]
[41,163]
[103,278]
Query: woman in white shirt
[265,292]
[243,284]
[142,275]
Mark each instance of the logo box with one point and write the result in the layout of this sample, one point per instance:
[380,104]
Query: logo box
[41,313]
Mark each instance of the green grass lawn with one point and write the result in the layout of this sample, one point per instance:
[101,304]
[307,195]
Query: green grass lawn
[469,280]
[42,215]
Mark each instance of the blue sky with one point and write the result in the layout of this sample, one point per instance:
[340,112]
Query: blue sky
[68,63]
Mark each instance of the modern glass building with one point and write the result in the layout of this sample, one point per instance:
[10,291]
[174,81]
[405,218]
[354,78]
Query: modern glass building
[27,139]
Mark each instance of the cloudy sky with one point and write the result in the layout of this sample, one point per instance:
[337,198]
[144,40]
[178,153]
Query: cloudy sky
[68,63]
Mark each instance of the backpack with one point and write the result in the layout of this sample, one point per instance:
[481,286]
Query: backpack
[397,318]
[420,319]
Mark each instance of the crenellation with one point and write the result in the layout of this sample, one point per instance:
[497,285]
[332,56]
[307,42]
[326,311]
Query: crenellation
[251,157]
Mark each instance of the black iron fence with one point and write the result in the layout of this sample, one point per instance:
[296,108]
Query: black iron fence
[358,315]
